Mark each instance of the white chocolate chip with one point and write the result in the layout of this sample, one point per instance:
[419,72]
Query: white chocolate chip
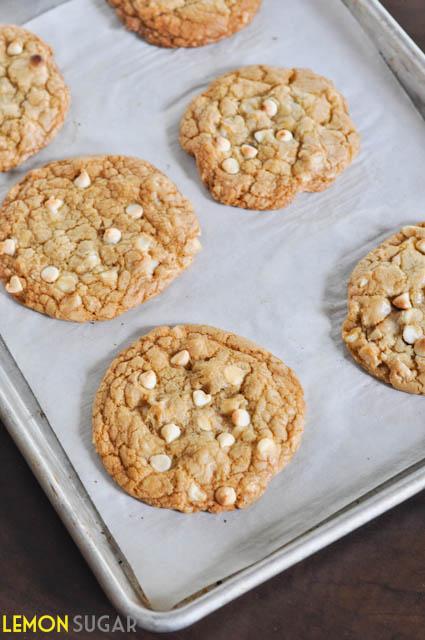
[411,316]
[225,496]
[225,440]
[266,447]
[193,246]
[67,283]
[362,282]
[404,371]
[181,358]
[421,246]
[241,418]
[231,166]
[284,135]
[70,303]
[76,301]
[420,347]
[112,235]
[143,242]
[160,462]
[54,204]
[195,493]
[82,181]
[248,151]
[317,161]
[411,333]
[91,260]
[223,144]
[14,285]
[50,274]
[305,177]
[152,266]
[148,379]
[110,278]
[15,48]
[203,423]
[134,211]
[260,135]
[170,432]
[264,135]
[270,107]
[234,375]
[200,398]
[378,311]
[417,298]
[402,301]
[8,247]
[353,335]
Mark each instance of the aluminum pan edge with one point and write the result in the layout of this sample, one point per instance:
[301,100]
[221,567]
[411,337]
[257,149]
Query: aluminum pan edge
[401,54]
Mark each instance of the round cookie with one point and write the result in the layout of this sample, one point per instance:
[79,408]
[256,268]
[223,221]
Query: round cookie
[260,135]
[185,23]
[385,326]
[197,419]
[89,238]
[34,99]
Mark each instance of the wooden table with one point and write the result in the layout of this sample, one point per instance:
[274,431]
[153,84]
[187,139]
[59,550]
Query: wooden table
[368,586]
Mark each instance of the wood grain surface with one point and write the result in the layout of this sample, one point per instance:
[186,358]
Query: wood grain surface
[368,586]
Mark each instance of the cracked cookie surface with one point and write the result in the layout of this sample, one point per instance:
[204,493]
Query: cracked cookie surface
[89,238]
[260,135]
[194,418]
[185,23]
[385,326]
[34,99]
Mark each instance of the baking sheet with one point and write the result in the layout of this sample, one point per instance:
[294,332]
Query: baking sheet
[277,278]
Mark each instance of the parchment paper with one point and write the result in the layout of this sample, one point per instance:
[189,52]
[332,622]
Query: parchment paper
[277,278]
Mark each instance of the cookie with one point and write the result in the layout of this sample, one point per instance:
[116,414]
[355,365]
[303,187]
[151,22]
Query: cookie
[34,98]
[260,135]
[89,238]
[185,23]
[385,326]
[197,419]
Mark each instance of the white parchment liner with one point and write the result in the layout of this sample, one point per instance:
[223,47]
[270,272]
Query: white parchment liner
[277,278]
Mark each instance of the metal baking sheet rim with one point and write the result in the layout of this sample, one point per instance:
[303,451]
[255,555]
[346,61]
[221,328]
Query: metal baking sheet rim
[43,452]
